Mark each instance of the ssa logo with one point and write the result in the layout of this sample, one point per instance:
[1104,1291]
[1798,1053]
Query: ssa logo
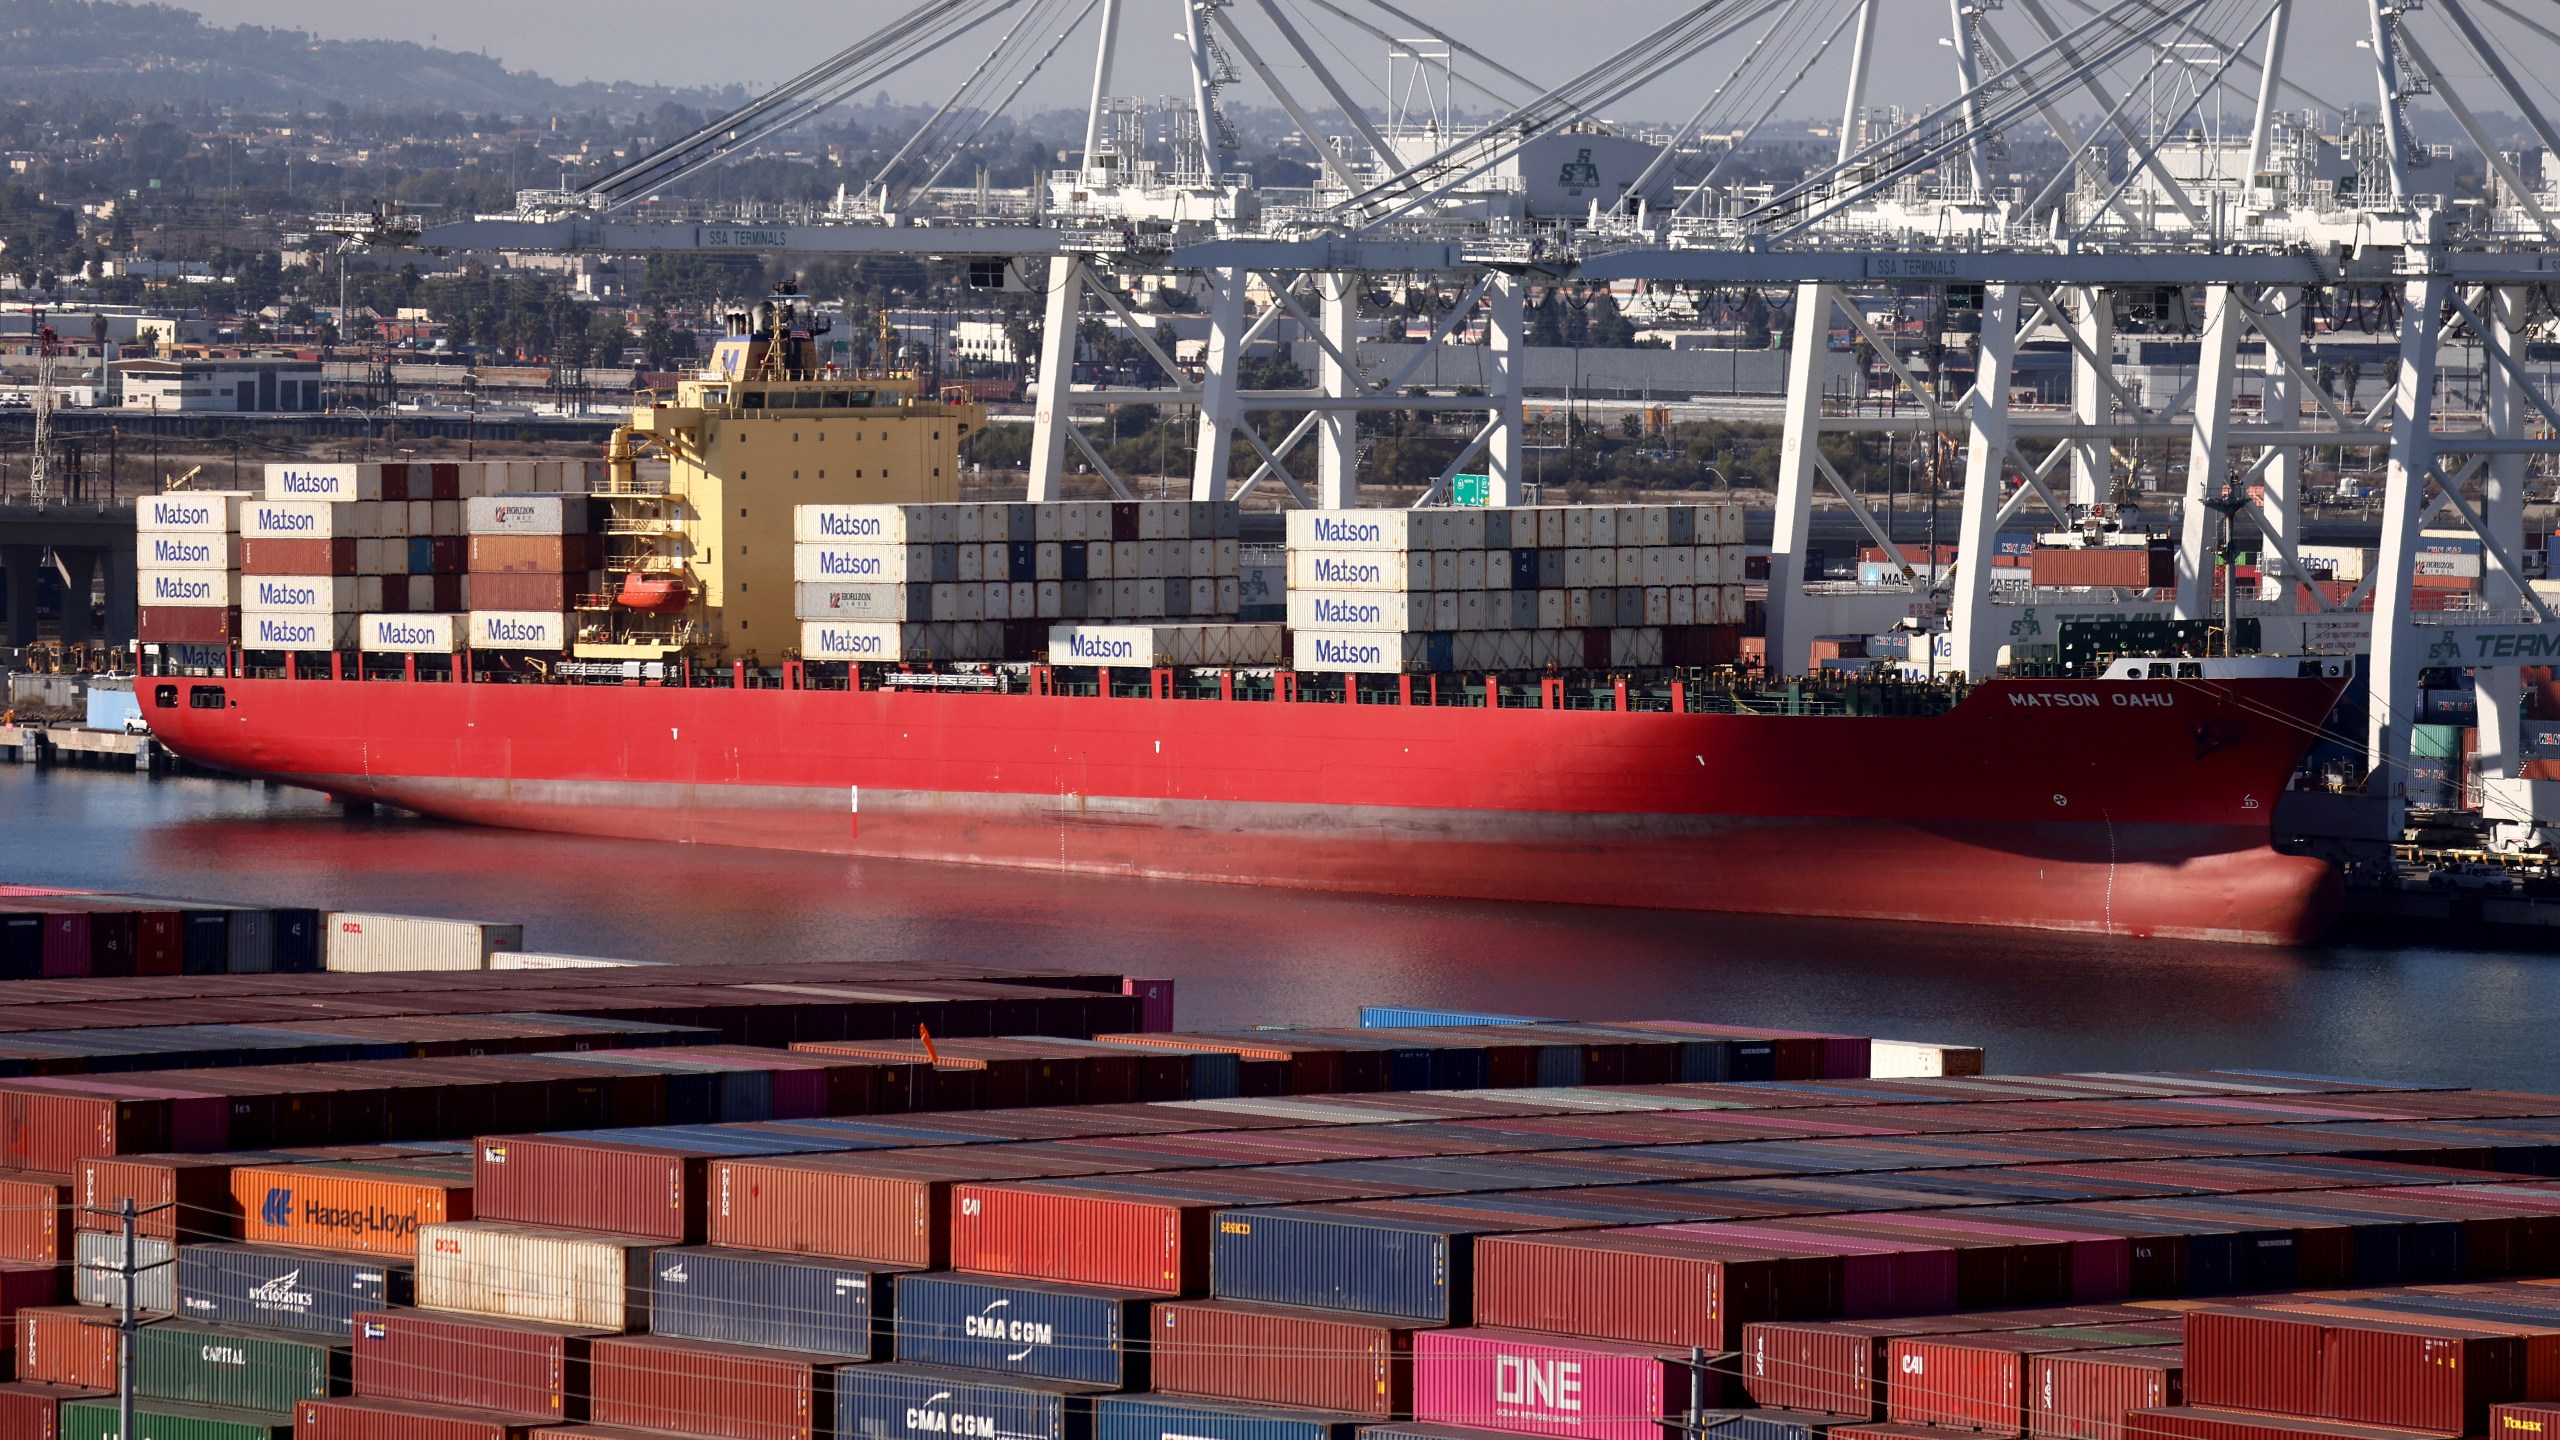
[277,1208]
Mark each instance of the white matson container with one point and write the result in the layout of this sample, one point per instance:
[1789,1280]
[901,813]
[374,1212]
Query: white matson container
[406,634]
[363,942]
[186,550]
[1364,610]
[296,630]
[192,589]
[304,594]
[518,630]
[1358,530]
[301,481]
[557,1277]
[190,512]
[309,519]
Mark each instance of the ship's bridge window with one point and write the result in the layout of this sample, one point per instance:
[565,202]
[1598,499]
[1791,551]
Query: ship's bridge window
[751,400]
[718,395]
[839,399]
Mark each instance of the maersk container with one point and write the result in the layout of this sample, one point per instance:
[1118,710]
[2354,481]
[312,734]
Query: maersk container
[166,1420]
[241,1368]
[279,1289]
[901,1402]
[560,1277]
[1024,1327]
[1173,1417]
[783,1302]
[1406,1017]
[1345,1260]
[363,942]
[98,1265]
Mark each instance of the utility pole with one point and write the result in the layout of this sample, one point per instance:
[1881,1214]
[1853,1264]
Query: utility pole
[128,1322]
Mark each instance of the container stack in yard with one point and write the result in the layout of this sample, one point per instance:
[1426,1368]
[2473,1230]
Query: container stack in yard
[775,1212]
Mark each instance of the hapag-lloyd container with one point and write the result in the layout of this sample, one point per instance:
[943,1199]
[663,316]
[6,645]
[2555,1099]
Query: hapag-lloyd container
[513,1366]
[1964,1382]
[353,1419]
[1023,1327]
[277,1289]
[1539,1385]
[239,1368]
[1265,1354]
[781,1302]
[1172,1417]
[902,1402]
[709,1390]
[2085,1394]
[65,1345]
[366,1211]
[560,1277]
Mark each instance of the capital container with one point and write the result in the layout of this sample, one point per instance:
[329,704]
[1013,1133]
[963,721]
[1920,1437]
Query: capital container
[171,1420]
[71,1345]
[782,1302]
[2085,1394]
[236,1367]
[1964,1382]
[33,1411]
[1542,1385]
[98,1265]
[353,1419]
[1023,1327]
[515,1366]
[560,1277]
[911,1402]
[1265,1354]
[1176,1417]
[35,1218]
[1831,1367]
[1639,1286]
[651,1191]
[364,1210]
[711,1391]
[309,1291]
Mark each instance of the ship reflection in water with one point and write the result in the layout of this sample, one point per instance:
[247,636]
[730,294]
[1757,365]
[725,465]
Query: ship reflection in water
[1246,955]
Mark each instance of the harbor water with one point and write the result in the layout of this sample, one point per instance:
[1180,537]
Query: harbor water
[1246,956]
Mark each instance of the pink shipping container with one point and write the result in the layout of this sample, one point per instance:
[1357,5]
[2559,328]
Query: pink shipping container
[1539,1385]
[402,1420]
[1964,1382]
[715,1392]
[1265,1354]
[2248,1360]
[2085,1394]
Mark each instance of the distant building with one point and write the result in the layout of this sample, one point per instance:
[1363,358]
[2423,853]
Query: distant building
[227,386]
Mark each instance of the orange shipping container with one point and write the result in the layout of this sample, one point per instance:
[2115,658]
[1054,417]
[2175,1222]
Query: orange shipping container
[367,1210]
[66,1345]
[889,1209]
[35,1218]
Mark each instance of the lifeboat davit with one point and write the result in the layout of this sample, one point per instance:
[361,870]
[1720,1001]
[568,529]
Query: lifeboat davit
[655,595]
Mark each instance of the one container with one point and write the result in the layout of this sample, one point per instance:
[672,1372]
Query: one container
[560,1277]
[782,1302]
[713,1391]
[171,1420]
[98,1272]
[334,1207]
[302,1290]
[904,1402]
[367,942]
[514,1366]
[1175,1417]
[352,1419]
[1311,1359]
[1540,1385]
[66,1345]
[1024,1327]
[240,1368]
[2086,1394]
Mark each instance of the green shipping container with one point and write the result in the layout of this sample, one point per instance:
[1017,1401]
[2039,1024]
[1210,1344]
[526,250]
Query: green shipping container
[237,1368]
[2436,742]
[162,1420]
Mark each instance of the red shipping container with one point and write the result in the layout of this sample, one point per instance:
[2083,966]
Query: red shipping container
[716,1392]
[2540,1345]
[2127,567]
[888,1209]
[159,942]
[174,1196]
[2247,1360]
[262,556]
[516,1366]
[50,1124]
[512,591]
[185,625]
[2416,1377]
[1964,1382]
[1830,1367]
[34,1411]
[1868,1271]
[1265,1354]
[2190,1422]
[398,1420]
[647,1191]
[2524,1422]
[2085,1394]
[66,1345]
[1636,1285]
[35,1219]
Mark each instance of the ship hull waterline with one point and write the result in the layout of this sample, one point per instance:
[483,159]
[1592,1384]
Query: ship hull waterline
[2030,808]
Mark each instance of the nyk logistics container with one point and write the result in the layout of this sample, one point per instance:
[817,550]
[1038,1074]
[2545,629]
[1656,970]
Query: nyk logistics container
[369,942]
[1312,1359]
[278,1289]
[731,1392]
[1023,1327]
[353,1419]
[239,1368]
[903,1402]
[372,1210]
[561,1277]
[514,1366]
[779,1302]
[1540,1385]
[1175,1417]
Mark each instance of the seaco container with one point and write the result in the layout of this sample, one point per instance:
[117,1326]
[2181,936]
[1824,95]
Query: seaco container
[1023,1327]
[2085,1394]
[1312,1359]
[560,1277]
[1541,1385]
[276,1289]
[241,1368]
[711,1391]
[515,1366]
[906,1402]
[782,1302]
[369,1210]
[65,1345]
[351,1419]
[1172,1417]
[172,1420]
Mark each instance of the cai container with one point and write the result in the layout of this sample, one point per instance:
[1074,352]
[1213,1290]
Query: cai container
[2085,1394]
[1023,1327]
[782,1302]
[905,1402]
[711,1391]
[1081,1237]
[516,1366]
[236,1367]
[368,1211]
[370,1419]
[1174,1417]
[560,1277]
[1542,1385]
[302,1290]
[98,1272]
[1310,1359]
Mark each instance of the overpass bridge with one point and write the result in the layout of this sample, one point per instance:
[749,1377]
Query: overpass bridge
[74,541]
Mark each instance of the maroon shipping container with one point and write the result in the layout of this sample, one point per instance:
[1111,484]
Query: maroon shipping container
[1639,1285]
[1964,1382]
[2129,567]
[716,1392]
[31,1411]
[512,591]
[646,1191]
[2247,1360]
[64,1345]
[2524,1422]
[1830,1367]
[884,1208]
[264,556]
[2417,1377]
[1265,1354]
[2540,1344]
[50,1124]
[401,1420]
[1868,1270]
[2190,1422]
[517,1366]
[2085,1394]
[1153,1240]
[185,625]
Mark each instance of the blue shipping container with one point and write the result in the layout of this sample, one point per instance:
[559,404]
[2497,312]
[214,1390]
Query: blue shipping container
[900,1402]
[1406,1269]
[1022,1327]
[279,1289]
[1766,1425]
[1406,1017]
[782,1302]
[1174,1417]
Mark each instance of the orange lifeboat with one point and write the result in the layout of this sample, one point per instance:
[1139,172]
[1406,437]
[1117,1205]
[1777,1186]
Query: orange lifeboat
[658,596]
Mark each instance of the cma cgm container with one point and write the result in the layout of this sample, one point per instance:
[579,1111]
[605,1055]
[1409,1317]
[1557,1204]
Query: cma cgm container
[1173,1417]
[277,1289]
[519,1367]
[170,1420]
[369,1210]
[902,1402]
[1541,1385]
[240,1368]
[782,1302]
[352,1419]
[561,1277]
[1024,1327]
[711,1391]
[2085,1394]
[1312,1359]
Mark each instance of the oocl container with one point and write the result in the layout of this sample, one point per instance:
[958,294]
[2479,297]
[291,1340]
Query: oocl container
[1024,1327]
[1172,1417]
[352,1419]
[513,1366]
[1540,1385]
[561,1277]
[369,1211]
[903,1402]
[240,1368]
[1312,1359]
[2085,1394]
[277,1289]
[717,1392]
[781,1302]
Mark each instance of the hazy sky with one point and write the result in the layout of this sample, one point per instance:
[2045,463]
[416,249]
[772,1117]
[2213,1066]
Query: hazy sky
[699,42]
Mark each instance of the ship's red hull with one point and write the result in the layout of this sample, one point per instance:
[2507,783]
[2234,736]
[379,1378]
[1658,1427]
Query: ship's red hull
[2135,808]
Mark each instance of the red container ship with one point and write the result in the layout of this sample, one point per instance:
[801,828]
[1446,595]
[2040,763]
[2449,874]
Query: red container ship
[2113,806]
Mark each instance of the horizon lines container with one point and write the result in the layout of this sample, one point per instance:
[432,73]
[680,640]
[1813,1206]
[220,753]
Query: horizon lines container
[1544,1385]
[562,1277]
[1309,1359]
[514,1366]
[777,1302]
[1023,1327]
[710,1391]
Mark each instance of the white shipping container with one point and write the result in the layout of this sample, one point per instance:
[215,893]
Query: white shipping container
[1360,569]
[301,481]
[518,630]
[1728,605]
[296,630]
[1150,597]
[1920,1059]
[901,604]
[1230,595]
[1356,529]
[1131,646]
[871,641]
[531,960]
[1360,610]
[98,1268]
[526,514]
[191,589]
[307,519]
[1640,645]
[2441,562]
[362,942]
[305,594]
[515,1272]
[1365,652]
[1444,610]
[185,550]
[1683,608]
[873,564]
[1204,598]
[192,512]
[410,634]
